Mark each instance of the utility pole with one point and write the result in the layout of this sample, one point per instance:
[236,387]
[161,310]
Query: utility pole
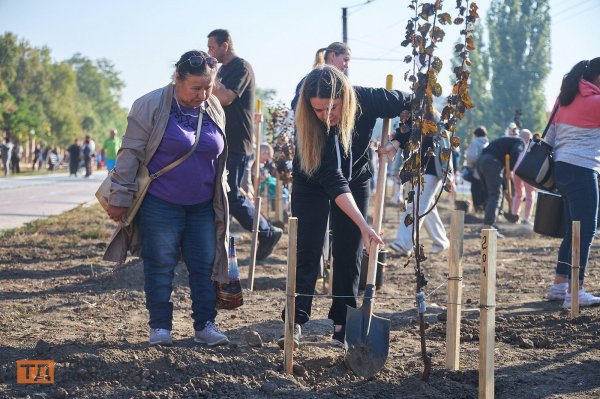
[345,25]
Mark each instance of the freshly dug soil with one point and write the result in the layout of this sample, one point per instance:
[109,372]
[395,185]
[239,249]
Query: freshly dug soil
[60,301]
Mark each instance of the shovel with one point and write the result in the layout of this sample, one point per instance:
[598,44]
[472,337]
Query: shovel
[367,335]
[511,217]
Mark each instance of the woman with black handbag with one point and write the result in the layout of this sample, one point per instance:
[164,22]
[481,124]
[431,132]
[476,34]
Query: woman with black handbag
[575,136]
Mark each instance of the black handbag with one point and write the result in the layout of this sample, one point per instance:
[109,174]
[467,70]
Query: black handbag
[550,218]
[536,166]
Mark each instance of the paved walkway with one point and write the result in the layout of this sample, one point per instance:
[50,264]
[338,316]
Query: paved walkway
[23,199]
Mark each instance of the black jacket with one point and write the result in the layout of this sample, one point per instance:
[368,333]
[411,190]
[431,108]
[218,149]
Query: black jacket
[511,145]
[373,104]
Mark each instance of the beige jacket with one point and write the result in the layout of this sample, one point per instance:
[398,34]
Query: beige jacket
[146,124]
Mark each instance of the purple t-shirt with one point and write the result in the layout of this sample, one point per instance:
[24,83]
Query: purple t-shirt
[192,181]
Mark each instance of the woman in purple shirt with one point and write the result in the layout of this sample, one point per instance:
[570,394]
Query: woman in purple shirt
[184,212]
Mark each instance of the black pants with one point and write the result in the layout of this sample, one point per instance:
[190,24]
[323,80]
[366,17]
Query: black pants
[240,206]
[311,206]
[490,169]
[478,194]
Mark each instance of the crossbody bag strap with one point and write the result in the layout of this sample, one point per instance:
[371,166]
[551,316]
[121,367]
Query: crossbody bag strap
[186,156]
[550,121]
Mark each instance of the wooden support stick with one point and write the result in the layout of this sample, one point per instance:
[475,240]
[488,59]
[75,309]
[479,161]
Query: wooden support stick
[266,201]
[487,305]
[575,256]
[254,244]
[290,303]
[454,305]
[278,198]
[258,118]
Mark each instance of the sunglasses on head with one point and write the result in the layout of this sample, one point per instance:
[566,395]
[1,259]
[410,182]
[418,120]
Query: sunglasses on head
[197,61]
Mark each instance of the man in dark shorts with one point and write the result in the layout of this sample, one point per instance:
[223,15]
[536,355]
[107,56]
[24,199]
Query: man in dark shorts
[235,90]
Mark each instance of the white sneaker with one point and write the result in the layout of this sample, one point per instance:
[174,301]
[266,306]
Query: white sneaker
[160,336]
[557,292]
[436,249]
[296,337]
[527,222]
[211,335]
[397,248]
[585,299]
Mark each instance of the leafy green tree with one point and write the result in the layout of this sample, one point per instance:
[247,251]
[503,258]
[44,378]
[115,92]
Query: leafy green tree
[519,50]
[479,88]
[58,100]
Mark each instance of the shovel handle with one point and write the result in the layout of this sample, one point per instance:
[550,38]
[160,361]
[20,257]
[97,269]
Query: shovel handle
[379,194]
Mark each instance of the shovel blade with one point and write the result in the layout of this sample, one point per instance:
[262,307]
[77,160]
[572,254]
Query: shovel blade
[367,347]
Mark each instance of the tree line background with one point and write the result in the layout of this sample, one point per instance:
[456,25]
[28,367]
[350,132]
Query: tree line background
[54,102]
[509,67]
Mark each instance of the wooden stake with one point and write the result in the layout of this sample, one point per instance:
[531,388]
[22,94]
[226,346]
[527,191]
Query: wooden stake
[454,305]
[278,198]
[290,303]
[487,304]
[254,245]
[259,121]
[575,256]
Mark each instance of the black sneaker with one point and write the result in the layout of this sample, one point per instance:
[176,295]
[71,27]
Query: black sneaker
[297,335]
[339,336]
[267,241]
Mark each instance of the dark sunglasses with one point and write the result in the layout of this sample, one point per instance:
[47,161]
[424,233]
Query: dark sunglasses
[197,61]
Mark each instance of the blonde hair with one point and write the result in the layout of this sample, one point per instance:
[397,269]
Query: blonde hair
[336,48]
[325,81]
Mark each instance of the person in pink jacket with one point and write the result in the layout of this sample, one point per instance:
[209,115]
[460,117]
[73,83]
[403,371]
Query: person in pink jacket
[575,136]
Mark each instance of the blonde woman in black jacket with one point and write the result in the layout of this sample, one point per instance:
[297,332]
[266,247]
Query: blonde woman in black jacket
[334,125]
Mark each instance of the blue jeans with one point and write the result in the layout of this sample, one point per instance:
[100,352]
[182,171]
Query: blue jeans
[168,230]
[239,206]
[579,188]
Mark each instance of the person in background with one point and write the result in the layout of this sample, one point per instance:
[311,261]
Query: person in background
[490,167]
[336,54]
[235,90]
[330,171]
[185,212]
[110,148]
[17,154]
[53,159]
[575,136]
[6,151]
[433,178]
[89,153]
[74,151]
[479,142]
[511,130]
[37,154]
[523,189]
